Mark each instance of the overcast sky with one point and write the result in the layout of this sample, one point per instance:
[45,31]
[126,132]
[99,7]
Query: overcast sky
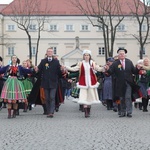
[5,1]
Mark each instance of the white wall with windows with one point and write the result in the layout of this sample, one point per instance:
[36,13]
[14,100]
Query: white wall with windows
[60,33]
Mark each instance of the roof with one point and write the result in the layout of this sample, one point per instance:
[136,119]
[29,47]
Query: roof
[2,6]
[62,7]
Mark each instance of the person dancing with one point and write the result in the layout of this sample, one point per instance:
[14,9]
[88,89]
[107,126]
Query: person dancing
[13,89]
[87,81]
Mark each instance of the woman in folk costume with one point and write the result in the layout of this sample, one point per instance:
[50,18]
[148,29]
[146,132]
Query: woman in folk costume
[87,81]
[138,101]
[13,89]
[143,82]
[28,85]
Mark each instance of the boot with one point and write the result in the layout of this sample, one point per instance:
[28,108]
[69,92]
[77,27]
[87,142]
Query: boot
[140,106]
[0,105]
[17,112]
[81,108]
[135,105]
[4,106]
[89,109]
[14,114]
[30,106]
[25,108]
[119,109]
[44,109]
[86,112]
[144,103]
[108,104]
[9,113]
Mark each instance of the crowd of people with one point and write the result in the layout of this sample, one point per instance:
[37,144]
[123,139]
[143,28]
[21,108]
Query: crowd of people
[116,85]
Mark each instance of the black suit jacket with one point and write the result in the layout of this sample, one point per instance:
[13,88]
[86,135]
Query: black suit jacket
[122,75]
[50,72]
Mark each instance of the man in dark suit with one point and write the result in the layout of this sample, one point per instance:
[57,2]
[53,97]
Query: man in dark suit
[51,71]
[123,69]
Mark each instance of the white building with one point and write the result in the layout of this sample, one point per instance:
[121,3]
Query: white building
[61,29]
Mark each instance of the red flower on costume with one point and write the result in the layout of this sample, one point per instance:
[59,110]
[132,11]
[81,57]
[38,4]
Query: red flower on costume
[14,69]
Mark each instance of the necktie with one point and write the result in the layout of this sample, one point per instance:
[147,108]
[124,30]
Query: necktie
[123,64]
[49,59]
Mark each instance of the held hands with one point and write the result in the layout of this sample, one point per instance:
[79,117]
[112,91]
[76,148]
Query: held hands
[36,69]
[62,67]
[106,67]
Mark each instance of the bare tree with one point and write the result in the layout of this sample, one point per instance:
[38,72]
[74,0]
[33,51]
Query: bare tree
[141,11]
[104,14]
[27,12]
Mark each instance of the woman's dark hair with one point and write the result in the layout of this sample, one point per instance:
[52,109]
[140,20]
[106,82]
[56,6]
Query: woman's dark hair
[1,59]
[18,61]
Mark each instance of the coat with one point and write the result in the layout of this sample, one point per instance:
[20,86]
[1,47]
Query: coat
[50,73]
[122,76]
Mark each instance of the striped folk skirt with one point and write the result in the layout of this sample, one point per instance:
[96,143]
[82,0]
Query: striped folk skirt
[13,89]
[27,86]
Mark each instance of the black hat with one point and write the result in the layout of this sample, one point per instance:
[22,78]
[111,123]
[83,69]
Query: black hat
[1,59]
[110,59]
[122,49]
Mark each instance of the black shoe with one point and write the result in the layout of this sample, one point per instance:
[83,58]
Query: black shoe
[115,110]
[50,116]
[119,113]
[122,115]
[30,107]
[145,110]
[56,109]
[129,115]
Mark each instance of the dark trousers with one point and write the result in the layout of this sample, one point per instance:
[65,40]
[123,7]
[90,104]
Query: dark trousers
[145,103]
[50,100]
[126,102]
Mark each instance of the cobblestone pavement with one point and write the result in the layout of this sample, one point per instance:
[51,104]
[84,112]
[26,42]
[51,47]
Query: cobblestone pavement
[70,130]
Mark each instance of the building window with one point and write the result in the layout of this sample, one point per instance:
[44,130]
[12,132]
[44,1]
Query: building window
[144,27]
[11,27]
[10,50]
[121,27]
[69,28]
[33,50]
[99,29]
[55,50]
[53,27]
[101,51]
[84,28]
[32,27]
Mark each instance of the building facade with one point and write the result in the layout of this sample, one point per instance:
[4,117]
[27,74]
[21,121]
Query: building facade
[68,35]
